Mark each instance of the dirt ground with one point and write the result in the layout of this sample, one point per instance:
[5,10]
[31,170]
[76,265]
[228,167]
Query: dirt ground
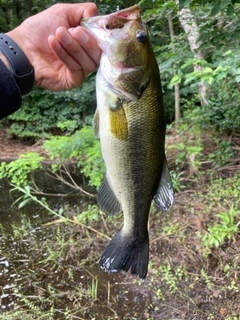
[11,147]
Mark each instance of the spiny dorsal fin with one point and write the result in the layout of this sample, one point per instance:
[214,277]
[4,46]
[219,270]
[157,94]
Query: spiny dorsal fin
[107,199]
[164,196]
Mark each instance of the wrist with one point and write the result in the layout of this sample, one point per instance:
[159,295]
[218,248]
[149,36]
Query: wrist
[17,62]
[4,60]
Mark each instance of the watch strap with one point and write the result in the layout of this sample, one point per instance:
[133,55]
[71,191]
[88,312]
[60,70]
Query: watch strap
[21,68]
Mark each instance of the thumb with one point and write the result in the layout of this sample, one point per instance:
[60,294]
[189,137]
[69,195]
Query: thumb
[76,12]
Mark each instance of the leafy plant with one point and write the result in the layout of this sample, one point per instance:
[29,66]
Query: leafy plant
[189,149]
[90,215]
[224,190]
[18,171]
[84,148]
[171,276]
[226,229]
[80,146]
[222,154]
[68,126]
[44,112]
[176,180]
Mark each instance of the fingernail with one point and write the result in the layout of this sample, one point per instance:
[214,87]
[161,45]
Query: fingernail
[70,30]
[54,42]
[65,37]
[83,37]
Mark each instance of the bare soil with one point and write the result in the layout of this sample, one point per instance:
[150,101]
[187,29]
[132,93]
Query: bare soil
[10,148]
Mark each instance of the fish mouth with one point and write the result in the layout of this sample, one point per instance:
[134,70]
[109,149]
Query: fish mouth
[118,19]
[130,13]
[107,26]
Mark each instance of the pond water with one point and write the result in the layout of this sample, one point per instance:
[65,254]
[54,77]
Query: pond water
[51,269]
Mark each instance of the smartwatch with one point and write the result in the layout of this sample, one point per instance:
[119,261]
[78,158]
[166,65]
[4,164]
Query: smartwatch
[21,68]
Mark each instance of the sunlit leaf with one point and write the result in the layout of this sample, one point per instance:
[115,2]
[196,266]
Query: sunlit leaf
[23,203]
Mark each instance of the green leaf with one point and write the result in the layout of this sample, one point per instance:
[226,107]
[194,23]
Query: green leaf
[236,35]
[175,79]
[183,3]
[27,189]
[60,211]
[23,203]
[224,4]
[230,11]
[215,10]
[208,70]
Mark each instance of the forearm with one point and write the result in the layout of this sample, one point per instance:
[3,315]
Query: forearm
[49,50]
[4,60]
[10,94]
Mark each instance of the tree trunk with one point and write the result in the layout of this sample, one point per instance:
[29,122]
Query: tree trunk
[176,86]
[189,25]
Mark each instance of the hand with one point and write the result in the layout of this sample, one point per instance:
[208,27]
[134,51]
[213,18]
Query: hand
[61,52]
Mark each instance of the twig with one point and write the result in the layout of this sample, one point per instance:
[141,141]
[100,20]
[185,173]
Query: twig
[59,178]
[57,214]
[90,228]
[72,185]
[108,296]
[104,222]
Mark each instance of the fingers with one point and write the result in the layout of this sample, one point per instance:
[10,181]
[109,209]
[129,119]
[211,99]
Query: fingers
[88,43]
[62,54]
[77,50]
[76,12]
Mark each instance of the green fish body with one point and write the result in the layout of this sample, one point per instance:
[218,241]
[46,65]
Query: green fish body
[131,125]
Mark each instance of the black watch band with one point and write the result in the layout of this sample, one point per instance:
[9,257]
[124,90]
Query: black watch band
[22,70]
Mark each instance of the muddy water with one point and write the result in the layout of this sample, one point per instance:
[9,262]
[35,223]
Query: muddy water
[47,266]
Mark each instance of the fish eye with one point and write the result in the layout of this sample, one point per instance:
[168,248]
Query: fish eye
[141,36]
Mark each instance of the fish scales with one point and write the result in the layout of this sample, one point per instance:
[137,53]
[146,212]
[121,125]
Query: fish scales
[131,125]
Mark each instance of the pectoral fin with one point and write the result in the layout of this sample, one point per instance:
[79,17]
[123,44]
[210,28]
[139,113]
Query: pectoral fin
[118,120]
[107,199]
[164,196]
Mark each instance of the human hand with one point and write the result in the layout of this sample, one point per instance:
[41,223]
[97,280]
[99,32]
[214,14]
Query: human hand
[61,52]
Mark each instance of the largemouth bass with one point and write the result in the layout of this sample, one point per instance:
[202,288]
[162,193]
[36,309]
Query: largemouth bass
[130,122]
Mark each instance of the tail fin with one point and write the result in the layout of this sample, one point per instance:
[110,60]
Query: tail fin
[122,253]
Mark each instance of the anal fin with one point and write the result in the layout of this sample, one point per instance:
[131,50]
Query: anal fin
[164,196]
[107,200]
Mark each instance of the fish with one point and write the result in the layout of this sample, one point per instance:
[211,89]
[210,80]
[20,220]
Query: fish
[130,122]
